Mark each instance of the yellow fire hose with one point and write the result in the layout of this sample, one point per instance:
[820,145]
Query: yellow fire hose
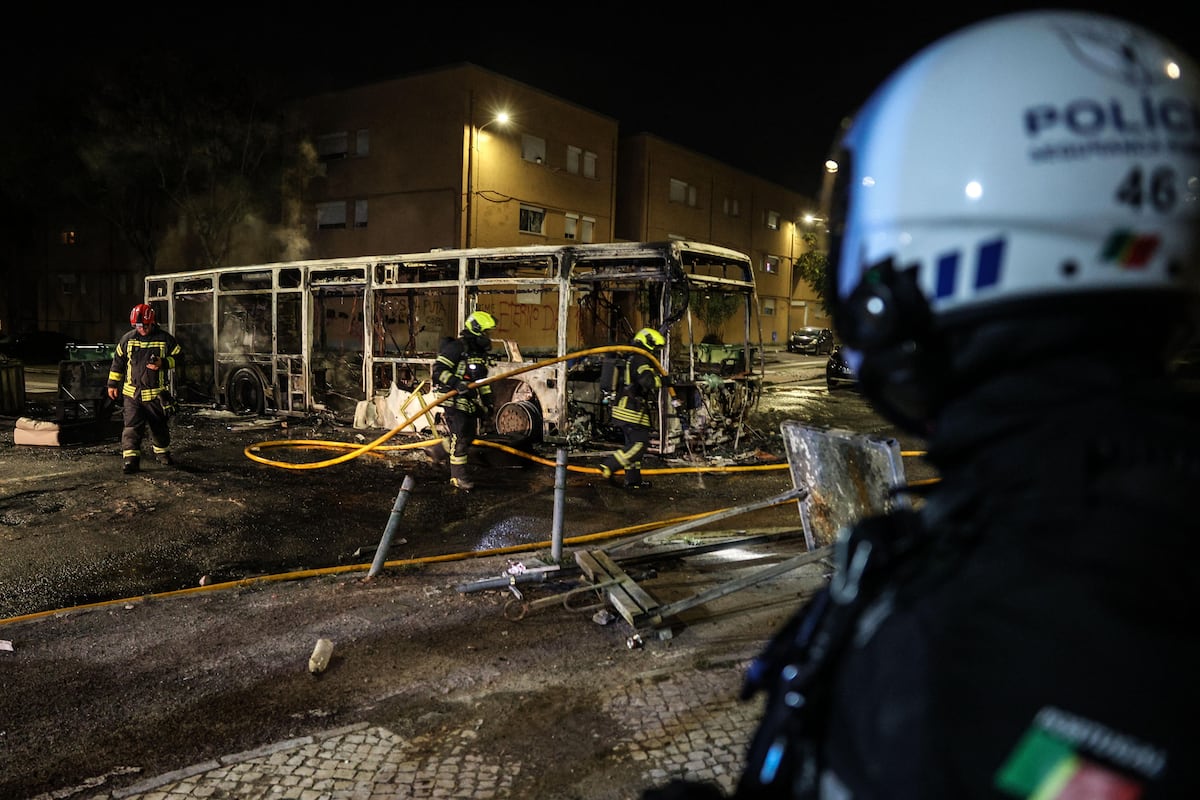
[356,450]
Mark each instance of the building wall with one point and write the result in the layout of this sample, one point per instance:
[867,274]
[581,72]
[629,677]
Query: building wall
[409,156]
[421,168]
[81,280]
[713,202]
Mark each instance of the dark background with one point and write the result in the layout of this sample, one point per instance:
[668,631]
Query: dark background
[760,88]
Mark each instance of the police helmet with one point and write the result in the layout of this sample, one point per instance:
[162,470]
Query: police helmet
[966,194]
[649,339]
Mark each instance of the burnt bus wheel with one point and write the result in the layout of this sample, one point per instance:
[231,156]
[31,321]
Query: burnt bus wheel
[519,422]
[245,392]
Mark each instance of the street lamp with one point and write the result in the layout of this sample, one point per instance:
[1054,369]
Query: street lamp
[502,119]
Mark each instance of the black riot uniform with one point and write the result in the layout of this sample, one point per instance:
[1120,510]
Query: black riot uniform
[1027,629]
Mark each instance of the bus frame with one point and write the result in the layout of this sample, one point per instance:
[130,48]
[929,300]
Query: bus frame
[347,336]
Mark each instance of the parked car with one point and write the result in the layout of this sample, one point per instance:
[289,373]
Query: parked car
[838,374]
[813,341]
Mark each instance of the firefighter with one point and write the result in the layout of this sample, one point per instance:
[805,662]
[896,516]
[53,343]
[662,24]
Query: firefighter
[461,362]
[140,374]
[1028,630]
[640,382]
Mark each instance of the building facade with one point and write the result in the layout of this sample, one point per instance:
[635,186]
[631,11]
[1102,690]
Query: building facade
[424,161]
[427,161]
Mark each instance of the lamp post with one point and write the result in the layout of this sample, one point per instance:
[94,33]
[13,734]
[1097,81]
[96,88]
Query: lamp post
[501,118]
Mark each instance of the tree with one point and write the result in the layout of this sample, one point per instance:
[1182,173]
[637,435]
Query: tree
[186,156]
[812,266]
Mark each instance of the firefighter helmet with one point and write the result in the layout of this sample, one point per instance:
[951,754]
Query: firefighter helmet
[141,314]
[649,338]
[479,322]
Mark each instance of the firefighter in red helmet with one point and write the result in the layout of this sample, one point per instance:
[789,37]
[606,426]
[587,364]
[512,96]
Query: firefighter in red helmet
[140,375]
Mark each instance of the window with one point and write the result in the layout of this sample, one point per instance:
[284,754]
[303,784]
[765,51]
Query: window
[588,230]
[574,154]
[570,226]
[331,215]
[773,220]
[589,164]
[69,237]
[732,208]
[362,143]
[331,146]
[771,264]
[533,220]
[681,192]
[360,213]
[533,148]
[768,306]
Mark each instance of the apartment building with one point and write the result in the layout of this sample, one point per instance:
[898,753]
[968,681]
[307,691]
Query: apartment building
[456,157]
[425,161]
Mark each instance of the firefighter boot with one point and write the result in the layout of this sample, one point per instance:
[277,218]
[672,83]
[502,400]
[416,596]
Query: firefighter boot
[132,465]
[633,479]
[458,477]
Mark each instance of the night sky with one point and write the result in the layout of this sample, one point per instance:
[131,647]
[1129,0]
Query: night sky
[713,86]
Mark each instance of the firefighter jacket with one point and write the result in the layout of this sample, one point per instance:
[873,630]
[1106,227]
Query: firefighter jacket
[640,383]
[129,371]
[462,361]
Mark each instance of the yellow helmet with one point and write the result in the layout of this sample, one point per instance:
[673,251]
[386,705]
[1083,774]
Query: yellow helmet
[480,321]
[649,338]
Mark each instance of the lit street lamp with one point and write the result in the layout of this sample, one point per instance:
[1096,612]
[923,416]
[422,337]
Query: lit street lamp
[501,118]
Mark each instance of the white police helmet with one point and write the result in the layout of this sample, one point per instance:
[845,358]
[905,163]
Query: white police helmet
[1031,156]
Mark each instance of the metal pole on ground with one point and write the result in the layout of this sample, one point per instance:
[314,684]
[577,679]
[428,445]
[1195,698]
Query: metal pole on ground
[393,521]
[560,491]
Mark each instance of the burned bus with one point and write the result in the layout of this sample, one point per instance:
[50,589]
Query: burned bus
[357,338]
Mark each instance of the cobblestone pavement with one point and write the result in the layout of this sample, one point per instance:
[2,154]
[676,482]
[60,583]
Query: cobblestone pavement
[687,724]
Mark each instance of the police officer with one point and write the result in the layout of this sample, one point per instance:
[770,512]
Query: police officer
[640,383]
[1028,630]
[140,374]
[461,362]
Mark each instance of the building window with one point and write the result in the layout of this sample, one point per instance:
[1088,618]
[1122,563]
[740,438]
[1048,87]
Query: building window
[533,148]
[331,146]
[362,143]
[732,207]
[588,230]
[533,220]
[772,220]
[360,213]
[768,307]
[69,237]
[570,226]
[331,215]
[771,264]
[578,158]
[66,283]
[681,192]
